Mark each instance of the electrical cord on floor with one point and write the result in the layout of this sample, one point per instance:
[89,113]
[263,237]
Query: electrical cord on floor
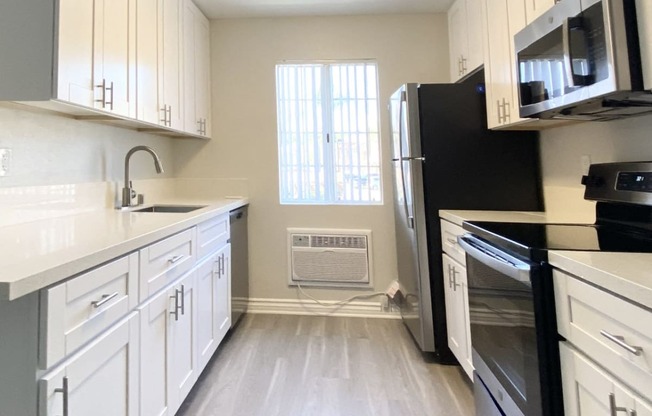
[341,302]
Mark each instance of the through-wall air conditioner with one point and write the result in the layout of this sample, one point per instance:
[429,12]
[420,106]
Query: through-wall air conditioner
[339,258]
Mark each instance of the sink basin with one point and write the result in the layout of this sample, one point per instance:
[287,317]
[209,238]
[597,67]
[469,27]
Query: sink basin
[170,208]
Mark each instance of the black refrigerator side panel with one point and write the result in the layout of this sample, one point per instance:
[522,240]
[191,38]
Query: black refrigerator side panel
[469,167]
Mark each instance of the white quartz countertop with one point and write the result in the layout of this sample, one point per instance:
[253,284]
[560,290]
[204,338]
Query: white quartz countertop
[628,275]
[37,254]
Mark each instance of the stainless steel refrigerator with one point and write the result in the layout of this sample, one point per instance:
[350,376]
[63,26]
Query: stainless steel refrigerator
[443,157]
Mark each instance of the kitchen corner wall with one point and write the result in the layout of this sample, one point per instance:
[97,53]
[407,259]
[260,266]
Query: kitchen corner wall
[562,149]
[50,149]
[409,48]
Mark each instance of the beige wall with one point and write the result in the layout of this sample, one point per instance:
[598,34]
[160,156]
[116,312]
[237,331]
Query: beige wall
[48,149]
[411,48]
[562,148]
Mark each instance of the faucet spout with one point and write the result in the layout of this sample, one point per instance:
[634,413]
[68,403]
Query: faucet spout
[128,191]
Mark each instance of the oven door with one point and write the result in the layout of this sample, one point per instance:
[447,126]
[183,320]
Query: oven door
[503,334]
[567,56]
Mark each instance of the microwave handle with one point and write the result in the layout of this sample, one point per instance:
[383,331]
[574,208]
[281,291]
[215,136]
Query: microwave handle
[573,24]
[497,260]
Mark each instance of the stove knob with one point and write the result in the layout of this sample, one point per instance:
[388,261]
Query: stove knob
[592,181]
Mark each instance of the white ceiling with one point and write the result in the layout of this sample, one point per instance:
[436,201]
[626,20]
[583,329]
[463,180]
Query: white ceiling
[221,9]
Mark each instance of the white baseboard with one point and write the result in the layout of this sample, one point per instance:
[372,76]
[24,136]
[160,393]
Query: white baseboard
[310,307]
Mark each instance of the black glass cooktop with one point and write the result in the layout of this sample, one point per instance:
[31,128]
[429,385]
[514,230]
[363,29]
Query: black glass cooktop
[527,239]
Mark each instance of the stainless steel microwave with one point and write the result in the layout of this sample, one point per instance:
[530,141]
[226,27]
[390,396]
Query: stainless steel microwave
[582,60]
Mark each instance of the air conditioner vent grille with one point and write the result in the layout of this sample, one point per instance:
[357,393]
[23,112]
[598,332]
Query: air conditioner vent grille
[338,241]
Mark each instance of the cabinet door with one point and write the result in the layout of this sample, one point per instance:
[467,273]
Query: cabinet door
[591,391]
[213,303]
[535,8]
[456,310]
[147,29]
[114,56]
[457,37]
[190,123]
[102,379]
[498,78]
[155,321]
[74,69]
[203,73]
[223,295]
[170,55]
[474,56]
[644,14]
[183,336]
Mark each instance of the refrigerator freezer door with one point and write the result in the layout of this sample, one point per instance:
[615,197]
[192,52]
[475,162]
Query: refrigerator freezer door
[412,258]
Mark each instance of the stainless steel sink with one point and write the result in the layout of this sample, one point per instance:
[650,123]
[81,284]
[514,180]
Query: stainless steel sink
[170,208]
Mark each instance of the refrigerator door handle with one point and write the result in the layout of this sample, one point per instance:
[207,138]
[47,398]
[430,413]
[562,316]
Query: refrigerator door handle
[410,219]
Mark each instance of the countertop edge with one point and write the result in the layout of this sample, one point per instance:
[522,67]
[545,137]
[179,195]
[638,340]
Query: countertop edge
[605,270]
[33,282]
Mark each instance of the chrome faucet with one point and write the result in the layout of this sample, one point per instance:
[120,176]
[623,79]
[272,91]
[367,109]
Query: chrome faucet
[128,192]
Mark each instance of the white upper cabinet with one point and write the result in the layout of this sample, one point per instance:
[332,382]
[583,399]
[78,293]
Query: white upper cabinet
[170,55]
[535,8]
[114,59]
[75,59]
[465,37]
[644,13]
[196,61]
[147,29]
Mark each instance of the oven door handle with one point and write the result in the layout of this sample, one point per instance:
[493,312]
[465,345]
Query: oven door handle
[496,259]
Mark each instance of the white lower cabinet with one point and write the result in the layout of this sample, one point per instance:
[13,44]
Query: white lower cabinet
[100,380]
[591,391]
[213,297]
[126,338]
[168,361]
[457,312]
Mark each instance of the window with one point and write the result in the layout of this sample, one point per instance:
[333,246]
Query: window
[328,133]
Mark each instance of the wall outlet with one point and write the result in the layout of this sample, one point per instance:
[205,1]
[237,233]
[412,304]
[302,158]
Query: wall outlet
[5,161]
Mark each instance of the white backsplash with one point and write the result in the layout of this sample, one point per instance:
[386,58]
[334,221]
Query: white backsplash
[32,203]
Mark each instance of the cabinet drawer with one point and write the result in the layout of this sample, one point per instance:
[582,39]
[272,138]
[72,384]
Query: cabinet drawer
[449,233]
[588,317]
[74,312]
[212,234]
[162,262]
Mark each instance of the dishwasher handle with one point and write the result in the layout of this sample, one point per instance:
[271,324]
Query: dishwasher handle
[496,259]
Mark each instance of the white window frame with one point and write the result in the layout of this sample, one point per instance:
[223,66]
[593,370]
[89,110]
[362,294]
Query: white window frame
[328,146]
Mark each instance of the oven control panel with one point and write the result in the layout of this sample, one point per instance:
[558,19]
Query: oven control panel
[634,181]
[625,182]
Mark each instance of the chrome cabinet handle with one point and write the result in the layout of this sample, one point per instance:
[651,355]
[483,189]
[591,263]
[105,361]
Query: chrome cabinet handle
[460,71]
[182,292]
[464,68]
[500,117]
[452,241]
[506,114]
[110,103]
[176,259]
[614,410]
[164,120]
[103,87]
[175,310]
[169,115]
[455,284]
[620,341]
[450,274]
[178,304]
[64,390]
[199,130]
[105,299]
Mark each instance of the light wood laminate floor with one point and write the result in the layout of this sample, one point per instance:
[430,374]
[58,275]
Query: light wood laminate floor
[306,365]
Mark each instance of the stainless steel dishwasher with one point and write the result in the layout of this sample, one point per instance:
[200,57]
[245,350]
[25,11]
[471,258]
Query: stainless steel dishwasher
[239,264]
